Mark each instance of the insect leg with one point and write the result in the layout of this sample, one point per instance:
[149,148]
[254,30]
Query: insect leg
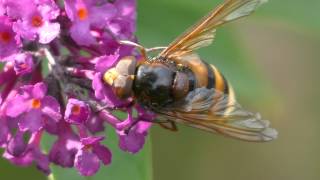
[163,123]
[172,127]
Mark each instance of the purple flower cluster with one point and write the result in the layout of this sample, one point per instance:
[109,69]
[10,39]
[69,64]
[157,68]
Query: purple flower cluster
[77,41]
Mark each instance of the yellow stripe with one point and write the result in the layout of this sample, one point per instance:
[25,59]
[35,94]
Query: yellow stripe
[219,86]
[200,71]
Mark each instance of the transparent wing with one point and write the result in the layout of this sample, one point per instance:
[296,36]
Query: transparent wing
[202,33]
[218,113]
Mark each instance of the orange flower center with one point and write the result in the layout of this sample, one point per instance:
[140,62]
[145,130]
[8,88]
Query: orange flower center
[76,110]
[35,103]
[82,13]
[87,147]
[5,37]
[23,66]
[36,21]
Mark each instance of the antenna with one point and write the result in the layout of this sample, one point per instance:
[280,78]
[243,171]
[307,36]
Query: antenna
[130,43]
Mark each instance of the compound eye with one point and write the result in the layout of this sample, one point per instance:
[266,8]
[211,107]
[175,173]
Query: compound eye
[121,77]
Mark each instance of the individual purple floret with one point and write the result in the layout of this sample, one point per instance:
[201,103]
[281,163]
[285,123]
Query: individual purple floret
[9,43]
[28,152]
[53,56]
[31,106]
[23,63]
[77,112]
[64,149]
[87,15]
[134,140]
[90,154]
[34,19]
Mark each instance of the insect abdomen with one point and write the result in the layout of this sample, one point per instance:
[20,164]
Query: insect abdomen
[219,81]
[207,75]
[223,86]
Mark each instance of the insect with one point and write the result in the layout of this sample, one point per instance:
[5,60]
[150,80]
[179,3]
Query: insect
[180,87]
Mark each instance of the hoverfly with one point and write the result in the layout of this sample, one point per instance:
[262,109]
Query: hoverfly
[181,87]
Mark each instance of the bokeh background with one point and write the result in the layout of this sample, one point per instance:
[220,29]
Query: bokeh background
[272,60]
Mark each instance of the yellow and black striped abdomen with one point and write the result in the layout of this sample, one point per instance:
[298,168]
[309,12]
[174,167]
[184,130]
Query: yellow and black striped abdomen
[207,75]
[220,82]
[222,85]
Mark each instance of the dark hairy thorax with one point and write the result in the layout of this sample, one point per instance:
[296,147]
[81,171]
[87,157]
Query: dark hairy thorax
[160,83]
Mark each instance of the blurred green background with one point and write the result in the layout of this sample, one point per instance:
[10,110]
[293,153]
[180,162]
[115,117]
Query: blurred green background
[272,60]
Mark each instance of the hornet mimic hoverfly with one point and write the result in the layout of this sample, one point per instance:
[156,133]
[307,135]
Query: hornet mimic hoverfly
[180,87]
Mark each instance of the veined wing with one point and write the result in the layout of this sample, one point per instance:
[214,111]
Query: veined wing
[202,33]
[220,115]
